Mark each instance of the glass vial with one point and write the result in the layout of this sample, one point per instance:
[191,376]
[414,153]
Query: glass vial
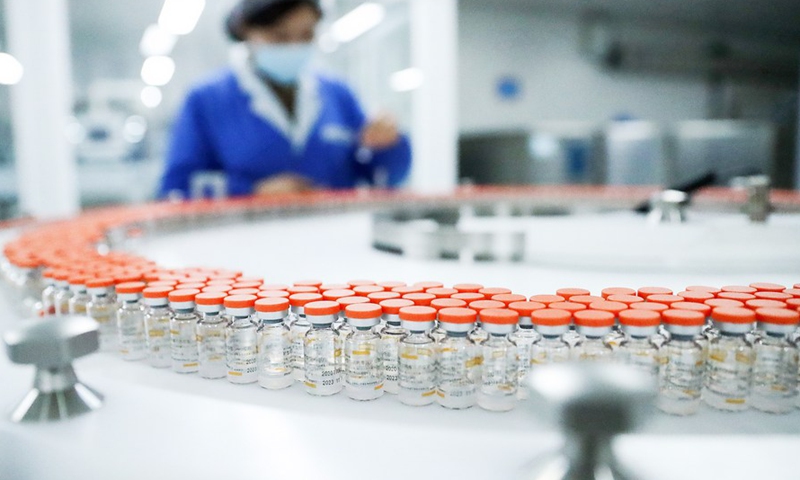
[157,326]
[500,370]
[552,325]
[322,349]
[363,374]
[130,321]
[211,335]
[298,328]
[274,344]
[524,337]
[62,295]
[49,292]
[729,365]
[681,362]
[593,327]
[80,296]
[774,387]
[183,331]
[639,346]
[102,309]
[478,333]
[459,359]
[389,346]
[241,339]
[417,376]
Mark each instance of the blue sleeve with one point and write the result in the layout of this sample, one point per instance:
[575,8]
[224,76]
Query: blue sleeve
[190,149]
[392,164]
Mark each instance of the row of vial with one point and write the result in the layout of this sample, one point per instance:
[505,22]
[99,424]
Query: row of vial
[451,354]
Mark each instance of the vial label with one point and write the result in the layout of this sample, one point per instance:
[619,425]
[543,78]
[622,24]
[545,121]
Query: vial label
[389,360]
[158,342]
[728,374]
[211,346]
[183,347]
[459,374]
[498,390]
[364,372]
[242,355]
[417,374]
[774,387]
[322,376]
[132,342]
[680,379]
[298,332]
[275,360]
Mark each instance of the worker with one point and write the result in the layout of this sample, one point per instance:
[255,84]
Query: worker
[271,124]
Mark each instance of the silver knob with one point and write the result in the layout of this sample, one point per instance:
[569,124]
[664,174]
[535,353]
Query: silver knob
[668,206]
[593,403]
[51,345]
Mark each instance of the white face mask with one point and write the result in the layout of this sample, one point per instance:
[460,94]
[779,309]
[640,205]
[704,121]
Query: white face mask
[282,63]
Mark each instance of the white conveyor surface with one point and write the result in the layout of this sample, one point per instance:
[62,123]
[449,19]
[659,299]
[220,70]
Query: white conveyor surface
[159,424]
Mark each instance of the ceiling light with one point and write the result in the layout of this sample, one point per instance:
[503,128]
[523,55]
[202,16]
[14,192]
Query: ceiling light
[157,70]
[10,69]
[156,41]
[357,22]
[151,96]
[179,17]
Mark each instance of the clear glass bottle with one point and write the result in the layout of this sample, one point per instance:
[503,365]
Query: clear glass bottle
[524,337]
[711,330]
[639,346]
[617,336]
[593,327]
[183,331]
[48,294]
[363,374]
[729,364]
[775,368]
[478,334]
[438,333]
[274,343]
[298,328]
[500,370]
[417,369]
[157,326]
[389,346]
[681,362]
[459,359]
[62,295]
[80,296]
[211,327]
[322,349]
[102,309]
[344,329]
[572,337]
[241,339]
[552,324]
[130,321]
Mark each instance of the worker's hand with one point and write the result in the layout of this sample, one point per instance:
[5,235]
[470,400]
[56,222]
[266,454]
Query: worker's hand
[285,183]
[380,133]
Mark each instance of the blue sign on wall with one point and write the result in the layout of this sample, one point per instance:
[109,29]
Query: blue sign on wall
[509,87]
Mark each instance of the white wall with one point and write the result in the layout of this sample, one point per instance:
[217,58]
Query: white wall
[542,50]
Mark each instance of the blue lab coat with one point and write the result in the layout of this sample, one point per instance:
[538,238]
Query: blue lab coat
[232,122]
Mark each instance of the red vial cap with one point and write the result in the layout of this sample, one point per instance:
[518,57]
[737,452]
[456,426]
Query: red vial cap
[585,299]
[780,296]
[547,299]
[778,316]
[665,299]
[185,295]
[361,283]
[492,291]
[608,306]
[509,298]
[210,298]
[365,290]
[302,289]
[626,299]
[130,287]
[393,306]
[156,292]
[441,292]
[742,297]
[457,315]
[550,317]
[269,305]
[378,297]
[428,284]
[324,307]
[697,296]
[767,287]
[594,318]
[103,282]
[645,292]
[273,294]
[308,283]
[440,303]
[724,303]
[738,289]
[417,313]
[684,318]
[525,309]
[335,294]
[607,292]
[363,311]
[567,293]
[469,297]
[481,305]
[409,289]
[693,306]
[422,299]
[499,316]
[757,303]
[640,318]
[344,302]
[702,288]
[301,299]
[568,306]
[733,315]
[467,287]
